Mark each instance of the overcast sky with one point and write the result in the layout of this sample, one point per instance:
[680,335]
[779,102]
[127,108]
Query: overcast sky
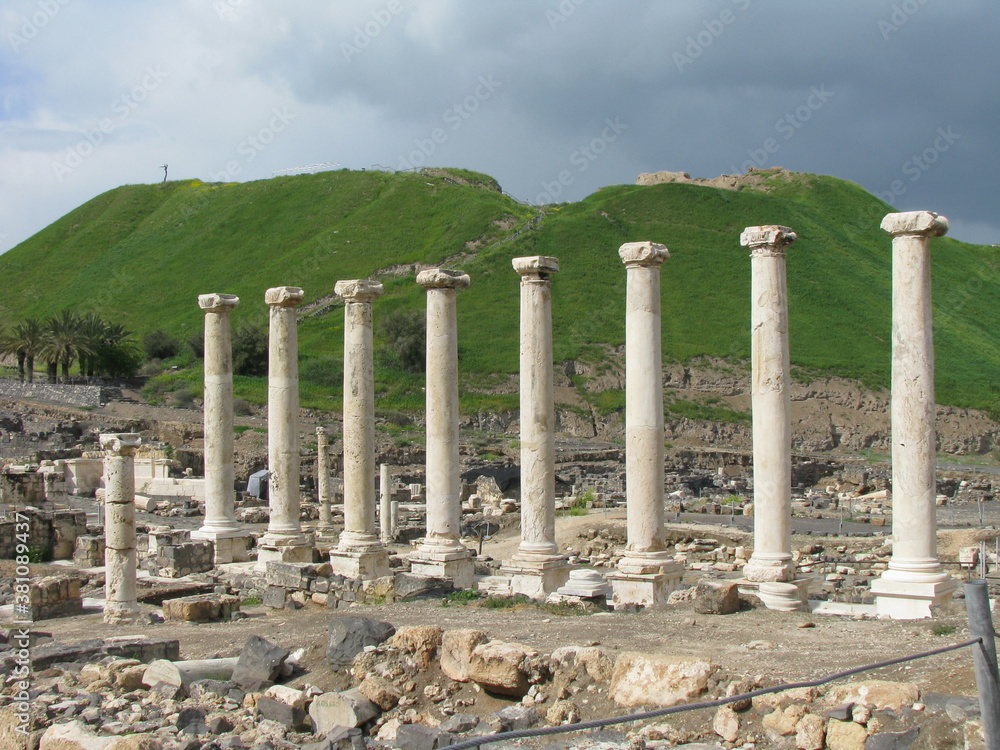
[554,99]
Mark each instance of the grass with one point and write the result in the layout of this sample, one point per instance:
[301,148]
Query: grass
[943,629]
[251,601]
[142,242]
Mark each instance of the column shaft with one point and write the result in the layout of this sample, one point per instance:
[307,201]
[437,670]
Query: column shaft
[121,605]
[385,504]
[771,405]
[220,476]
[284,527]
[643,401]
[323,479]
[538,524]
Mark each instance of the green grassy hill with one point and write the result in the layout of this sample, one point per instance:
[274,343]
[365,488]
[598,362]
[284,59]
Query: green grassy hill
[142,253]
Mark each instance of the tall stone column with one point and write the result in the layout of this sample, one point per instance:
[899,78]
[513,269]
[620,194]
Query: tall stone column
[537,568]
[120,605]
[771,567]
[325,526]
[914,580]
[646,573]
[359,553]
[441,553]
[220,526]
[284,540]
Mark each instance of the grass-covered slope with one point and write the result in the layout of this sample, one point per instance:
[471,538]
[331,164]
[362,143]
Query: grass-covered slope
[145,252]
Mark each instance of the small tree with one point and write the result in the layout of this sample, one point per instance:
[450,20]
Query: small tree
[249,350]
[159,344]
[405,333]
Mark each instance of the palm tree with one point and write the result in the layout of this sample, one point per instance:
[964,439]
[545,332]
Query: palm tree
[63,343]
[25,341]
[91,330]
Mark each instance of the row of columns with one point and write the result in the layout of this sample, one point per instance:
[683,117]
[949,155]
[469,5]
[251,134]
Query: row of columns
[645,573]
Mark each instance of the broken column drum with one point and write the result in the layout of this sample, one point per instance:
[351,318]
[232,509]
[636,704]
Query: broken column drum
[537,568]
[385,504]
[121,605]
[359,552]
[325,524]
[284,536]
[441,553]
[914,580]
[647,571]
[771,563]
[220,526]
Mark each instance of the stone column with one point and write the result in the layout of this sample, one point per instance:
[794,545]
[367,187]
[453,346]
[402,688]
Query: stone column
[119,527]
[537,568]
[771,562]
[441,553]
[647,573]
[220,526]
[284,540]
[359,553]
[325,525]
[914,580]
[385,504]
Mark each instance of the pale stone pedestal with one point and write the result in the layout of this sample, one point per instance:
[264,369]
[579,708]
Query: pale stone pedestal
[456,567]
[910,600]
[536,580]
[230,547]
[282,553]
[360,564]
[643,589]
[781,596]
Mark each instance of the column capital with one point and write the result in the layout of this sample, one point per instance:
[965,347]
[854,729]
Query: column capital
[767,240]
[321,431]
[926,223]
[120,443]
[536,265]
[217,303]
[358,290]
[443,278]
[643,253]
[284,296]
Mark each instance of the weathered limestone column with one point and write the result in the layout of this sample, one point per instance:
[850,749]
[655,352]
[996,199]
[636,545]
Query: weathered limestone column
[284,540]
[325,526]
[359,553]
[646,573]
[537,568]
[220,526]
[914,580]
[441,553]
[119,527]
[770,572]
[385,504]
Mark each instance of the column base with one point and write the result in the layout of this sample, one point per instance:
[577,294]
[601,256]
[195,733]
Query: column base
[781,596]
[456,567]
[644,589]
[302,553]
[536,579]
[120,613]
[771,567]
[910,600]
[365,564]
[326,534]
[230,546]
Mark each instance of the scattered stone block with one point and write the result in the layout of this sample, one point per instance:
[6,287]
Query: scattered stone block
[513,718]
[460,723]
[877,693]
[845,735]
[290,575]
[713,597]
[202,608]
[348,636]
[420,641]
[380,691]
[347,709]
[658,679]
[259,664]
[501,667]
[55,596]
[456,652]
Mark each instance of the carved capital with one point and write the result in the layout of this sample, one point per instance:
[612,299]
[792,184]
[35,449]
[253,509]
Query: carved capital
[769,240]
[643,253]
[358,290]
[284,296]
[926,223]
[443,278]
[120,443]
[536,265]
[218,303]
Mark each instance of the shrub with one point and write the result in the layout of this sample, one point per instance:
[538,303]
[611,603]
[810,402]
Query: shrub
[250,350]
[159,344]
[241,407]
[405,334]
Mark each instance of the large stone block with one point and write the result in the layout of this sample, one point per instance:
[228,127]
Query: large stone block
[290,575]
[347,709]
[202,608]
[456,652]
[259,664]
[658,679]
[347,637]
[501,667]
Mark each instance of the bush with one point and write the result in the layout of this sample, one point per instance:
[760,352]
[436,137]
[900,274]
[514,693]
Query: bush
[159,344]
[151,368]
[327,372]
[241,407]
[405,332]
[250,350]
[196,343]
[182,398]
